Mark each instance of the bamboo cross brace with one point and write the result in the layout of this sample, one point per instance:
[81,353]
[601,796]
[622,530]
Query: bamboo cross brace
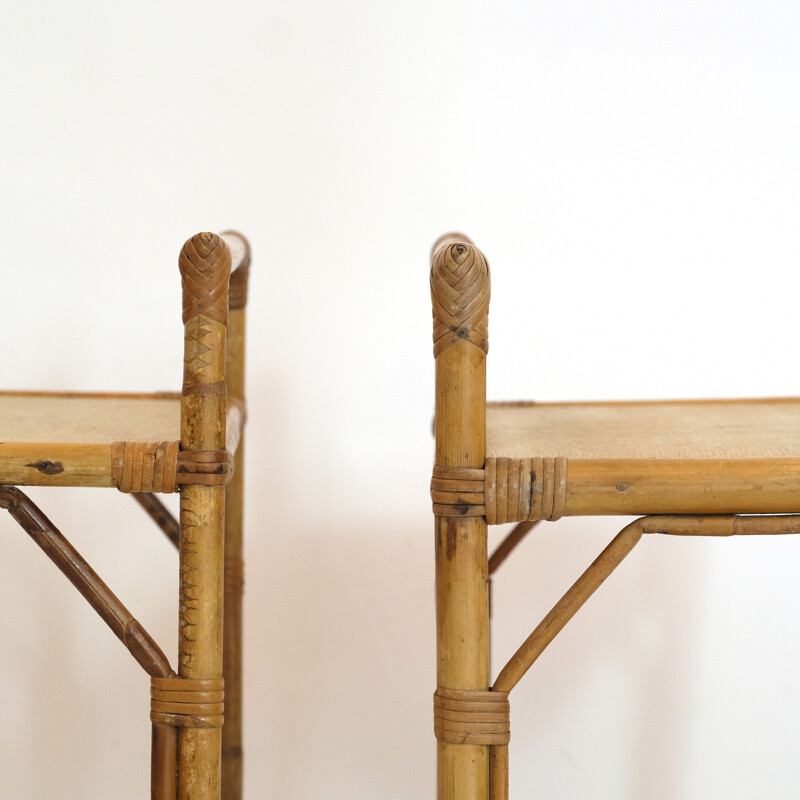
[56,547]
[613,555]
[586,585]
[130,632]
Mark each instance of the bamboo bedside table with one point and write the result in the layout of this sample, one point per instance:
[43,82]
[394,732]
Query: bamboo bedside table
[692,468]
[189,442]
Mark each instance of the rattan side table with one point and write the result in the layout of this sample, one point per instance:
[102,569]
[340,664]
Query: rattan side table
[189,441]
[699,468]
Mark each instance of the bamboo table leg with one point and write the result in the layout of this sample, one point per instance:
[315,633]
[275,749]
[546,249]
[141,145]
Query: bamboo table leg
[234,561]
[205,264]
[460,294]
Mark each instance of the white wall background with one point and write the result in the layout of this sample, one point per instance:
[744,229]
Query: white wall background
[631,170]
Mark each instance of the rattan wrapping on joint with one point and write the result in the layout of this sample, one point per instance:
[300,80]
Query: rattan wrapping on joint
[204,467]
[457,491]
[519,489]
[162,466]
[462,717]
[186,703]
[460,294]
[144,466]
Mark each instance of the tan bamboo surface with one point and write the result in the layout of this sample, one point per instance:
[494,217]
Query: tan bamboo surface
[688,457]
[51,439]
[232,748]
[205,264]
[462,608]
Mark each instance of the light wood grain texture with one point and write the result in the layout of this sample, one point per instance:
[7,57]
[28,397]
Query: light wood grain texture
[205,267]
[462,607]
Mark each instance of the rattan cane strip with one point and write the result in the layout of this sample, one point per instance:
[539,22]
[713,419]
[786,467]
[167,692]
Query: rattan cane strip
[457,491]
[525,489]
[204,467]
[471,717]
[144,466]
[184,703]
[162,467]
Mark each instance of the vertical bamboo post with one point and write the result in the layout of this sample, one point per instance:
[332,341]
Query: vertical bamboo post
[460,295]
[205,264]
[234,561]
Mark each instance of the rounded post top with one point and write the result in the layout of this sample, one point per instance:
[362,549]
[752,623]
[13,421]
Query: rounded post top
[205,266]
[240,273]
[450,238]
[460,290]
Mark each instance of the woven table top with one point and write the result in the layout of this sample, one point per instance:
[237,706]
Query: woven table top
[726,429]
[89,419]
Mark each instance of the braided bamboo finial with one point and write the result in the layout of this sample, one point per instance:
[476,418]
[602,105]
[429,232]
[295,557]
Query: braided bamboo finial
[460,291]
[205,265]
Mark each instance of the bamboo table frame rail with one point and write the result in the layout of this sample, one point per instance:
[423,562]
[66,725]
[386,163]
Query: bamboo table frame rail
[194,757]
[469,491]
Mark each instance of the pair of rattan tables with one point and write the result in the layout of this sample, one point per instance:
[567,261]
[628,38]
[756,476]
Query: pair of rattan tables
[691,468]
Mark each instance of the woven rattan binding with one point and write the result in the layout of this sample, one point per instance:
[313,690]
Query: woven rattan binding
[458,491]
[144,466]
[460,295]
[204,467]
[185,703]
[520,489]
[163,467]
[205,263]
[461,717]
[507,490]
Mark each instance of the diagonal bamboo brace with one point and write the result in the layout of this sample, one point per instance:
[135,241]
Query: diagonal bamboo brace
[591,580]
[56,547]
